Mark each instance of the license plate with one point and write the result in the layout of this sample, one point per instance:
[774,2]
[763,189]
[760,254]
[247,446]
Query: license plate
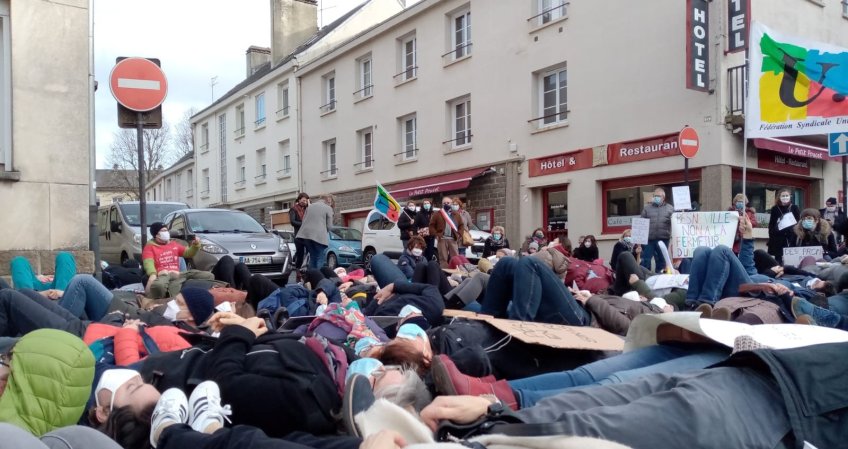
[255,260]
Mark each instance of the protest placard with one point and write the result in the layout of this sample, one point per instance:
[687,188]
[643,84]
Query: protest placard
[689,230]
[639,230]
[682,198]
[793,256]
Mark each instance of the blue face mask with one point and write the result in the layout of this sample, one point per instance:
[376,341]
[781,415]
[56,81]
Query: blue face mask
[628,240]
[740,205]
[426,207]
[808,224]
[365,343]
[411,332]
[657,200]
[455,207]
[408,309]
[496,237]
[364,366]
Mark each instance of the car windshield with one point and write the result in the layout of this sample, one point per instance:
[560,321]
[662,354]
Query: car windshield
[155,212]
[222,222]
[345,234]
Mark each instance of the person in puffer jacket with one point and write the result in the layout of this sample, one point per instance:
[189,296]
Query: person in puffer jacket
[50,381]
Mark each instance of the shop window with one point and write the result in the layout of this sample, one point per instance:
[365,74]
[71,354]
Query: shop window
[624,199]
[761,189]
[556,212]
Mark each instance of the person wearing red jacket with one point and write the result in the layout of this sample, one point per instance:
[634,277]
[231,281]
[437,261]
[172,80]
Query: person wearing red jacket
[161,261]
[129,344]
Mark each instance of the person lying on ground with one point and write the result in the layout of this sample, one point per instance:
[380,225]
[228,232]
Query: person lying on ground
[23,276]
[756,399]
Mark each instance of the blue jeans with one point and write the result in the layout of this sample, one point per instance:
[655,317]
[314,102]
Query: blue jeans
[716,273]
[385,271]
[652,251]
[24,277]
[317,253]
[86,298]
[526,289]
[617,369]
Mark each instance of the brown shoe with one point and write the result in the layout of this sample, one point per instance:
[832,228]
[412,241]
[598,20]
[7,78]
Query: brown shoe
[450,381]
[805,319]
[721,313]
[706,310]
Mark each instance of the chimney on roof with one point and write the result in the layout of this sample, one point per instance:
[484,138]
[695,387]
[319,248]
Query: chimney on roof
[256,57]
[292,23]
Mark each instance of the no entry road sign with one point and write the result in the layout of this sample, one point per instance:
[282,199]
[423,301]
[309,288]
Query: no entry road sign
[688,142]
[138,84]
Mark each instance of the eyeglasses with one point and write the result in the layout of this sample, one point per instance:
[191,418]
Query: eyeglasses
[6,359]
[378,373]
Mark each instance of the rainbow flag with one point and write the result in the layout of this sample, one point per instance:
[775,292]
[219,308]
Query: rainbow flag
[795,86]
[386,204]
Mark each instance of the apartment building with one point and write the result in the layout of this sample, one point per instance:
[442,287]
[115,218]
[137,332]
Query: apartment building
[175,183]
[553,114]
[247,141]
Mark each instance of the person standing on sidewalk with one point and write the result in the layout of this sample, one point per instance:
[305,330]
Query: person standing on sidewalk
[296,213]
[447,226]
[315,229]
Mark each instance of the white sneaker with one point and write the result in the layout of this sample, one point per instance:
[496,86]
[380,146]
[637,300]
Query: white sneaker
[205,407]
[172,408]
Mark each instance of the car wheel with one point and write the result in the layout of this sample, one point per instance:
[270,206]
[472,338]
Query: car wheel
[331,261]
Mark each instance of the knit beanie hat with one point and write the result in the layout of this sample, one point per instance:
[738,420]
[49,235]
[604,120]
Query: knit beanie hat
[533,245]
[156,227]
[810,212]
[199,302]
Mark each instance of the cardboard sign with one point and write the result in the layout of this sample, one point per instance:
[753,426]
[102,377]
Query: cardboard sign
[793,256]
[551,335]
[639,230]
[689,230]
[682,198]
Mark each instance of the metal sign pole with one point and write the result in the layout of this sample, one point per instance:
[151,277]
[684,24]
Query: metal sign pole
[686,170]
[142,204]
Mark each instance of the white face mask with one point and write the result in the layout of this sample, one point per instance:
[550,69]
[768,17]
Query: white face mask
[171,312]
[225,306]
[111,380]
[417,252]
[587,244]
[784,199]
[164,236]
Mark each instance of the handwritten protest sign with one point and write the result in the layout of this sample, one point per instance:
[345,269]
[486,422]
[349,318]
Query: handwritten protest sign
[689,230]
[639,230]
[682,198]
[551,335]
[793,256]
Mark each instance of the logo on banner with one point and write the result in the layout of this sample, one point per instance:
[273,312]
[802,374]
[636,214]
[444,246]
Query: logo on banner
[798,87]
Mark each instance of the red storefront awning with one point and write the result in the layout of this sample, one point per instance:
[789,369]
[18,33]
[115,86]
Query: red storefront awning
[793,148]
[436,184]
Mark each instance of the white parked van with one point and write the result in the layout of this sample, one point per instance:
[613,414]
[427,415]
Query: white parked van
[119,227]
[379,235]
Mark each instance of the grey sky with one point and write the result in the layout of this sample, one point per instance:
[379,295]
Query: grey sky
[194,39]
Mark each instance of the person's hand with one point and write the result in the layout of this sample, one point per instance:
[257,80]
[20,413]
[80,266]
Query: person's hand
[668,308]
[220,320]
[638,249]
[781,289]
[133,324]
[384,293]
[384,439]
[345,285]
[195,242]
[255,325]
[44,278]
[745,227]
[321,298]
[777,270]
[164,273]
[461,409]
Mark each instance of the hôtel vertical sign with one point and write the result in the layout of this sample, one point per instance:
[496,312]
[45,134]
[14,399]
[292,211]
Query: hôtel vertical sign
[697,45]
[738,24]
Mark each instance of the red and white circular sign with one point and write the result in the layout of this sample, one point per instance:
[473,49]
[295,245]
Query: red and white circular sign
[138,84]
[688,142]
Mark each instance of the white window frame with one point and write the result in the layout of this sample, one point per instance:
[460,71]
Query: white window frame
[329,81]
[460,136]
[259,105]
[241,172]
[284,150]
[461,47]
[845,8]
[206,183]
[331,163]
[551,11]
[559,114]
[261,167]
[239,131]
[408,147]
[5,90]
[283,100]
[189,183]
[204,137]
[365,72]
[409,60]
[365,139]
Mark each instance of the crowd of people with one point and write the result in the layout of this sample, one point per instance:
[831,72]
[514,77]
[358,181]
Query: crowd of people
[160,355]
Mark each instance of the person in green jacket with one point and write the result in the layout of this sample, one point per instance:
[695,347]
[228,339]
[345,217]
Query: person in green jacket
[49,383]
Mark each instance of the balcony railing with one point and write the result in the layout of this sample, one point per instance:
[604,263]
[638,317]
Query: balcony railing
[331,173]
[460,142]
[737,82]
[239,132]
[283,113]
[367,164]
[408,74]
[204,148]
[329,107]
[259,123]
[283,172]
[259,179]
[189,193]
[364,93]
[406,155]
[548,14]
[459,52]
[560,117]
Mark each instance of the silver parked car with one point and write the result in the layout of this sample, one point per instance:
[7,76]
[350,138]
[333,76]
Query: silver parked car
[231,232]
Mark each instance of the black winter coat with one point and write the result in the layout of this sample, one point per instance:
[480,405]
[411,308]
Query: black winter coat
[779,239]
[424,296]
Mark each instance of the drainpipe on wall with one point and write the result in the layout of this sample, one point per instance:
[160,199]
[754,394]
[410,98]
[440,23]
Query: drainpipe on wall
[93,238]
